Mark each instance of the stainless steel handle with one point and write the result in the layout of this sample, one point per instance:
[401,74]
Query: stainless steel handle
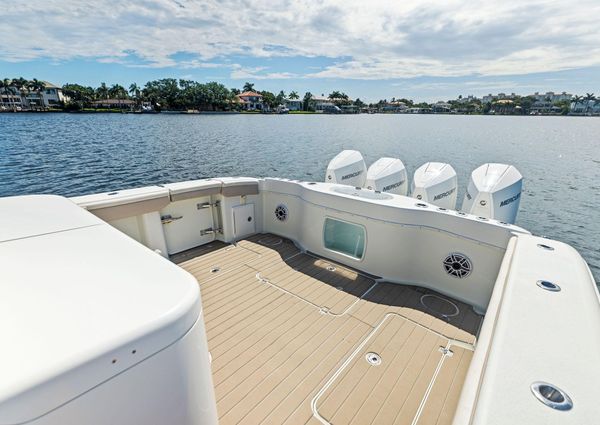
[166,219]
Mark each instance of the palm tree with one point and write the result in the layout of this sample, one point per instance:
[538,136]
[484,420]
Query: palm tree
[306,101]
[248,87]
[38,87]
[589,97]
[117,91]
[134,90]
[102,91]
[576,99]
[294,95]
[20,84]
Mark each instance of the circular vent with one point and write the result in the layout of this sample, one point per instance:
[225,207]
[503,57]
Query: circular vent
[281,212]
[458,265]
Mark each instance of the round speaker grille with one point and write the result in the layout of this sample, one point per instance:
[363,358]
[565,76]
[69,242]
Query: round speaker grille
[458,265]
[281,212]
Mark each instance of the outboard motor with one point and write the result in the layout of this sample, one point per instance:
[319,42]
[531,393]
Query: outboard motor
[387,175]
[494,191]
[436,183]
[347,167]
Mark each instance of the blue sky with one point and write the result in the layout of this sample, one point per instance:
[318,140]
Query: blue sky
[425,50]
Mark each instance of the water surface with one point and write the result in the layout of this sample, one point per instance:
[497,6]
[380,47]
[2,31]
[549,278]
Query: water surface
[74,154]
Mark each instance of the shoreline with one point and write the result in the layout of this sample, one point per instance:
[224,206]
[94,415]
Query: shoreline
[116,111]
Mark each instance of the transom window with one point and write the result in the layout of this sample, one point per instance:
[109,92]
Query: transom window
[343,237]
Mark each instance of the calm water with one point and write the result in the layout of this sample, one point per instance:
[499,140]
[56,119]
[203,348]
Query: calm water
[71,154]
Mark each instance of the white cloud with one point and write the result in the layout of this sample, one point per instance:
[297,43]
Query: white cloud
[256,73]
[368,40]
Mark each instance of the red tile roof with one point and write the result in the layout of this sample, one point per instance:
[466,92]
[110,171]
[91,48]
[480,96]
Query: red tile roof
[249,93]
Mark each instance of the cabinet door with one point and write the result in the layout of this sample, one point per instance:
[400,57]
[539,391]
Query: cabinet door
[243,221]
[186,224]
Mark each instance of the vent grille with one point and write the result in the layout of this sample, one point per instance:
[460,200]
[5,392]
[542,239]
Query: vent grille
[281,212]
[458,265]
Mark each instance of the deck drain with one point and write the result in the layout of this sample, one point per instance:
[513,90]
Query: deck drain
[215,269]
[446,351]
[445,308]
[373,358]
[331,268]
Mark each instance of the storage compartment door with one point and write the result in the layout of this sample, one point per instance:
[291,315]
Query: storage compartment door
[243,221]
[187,224]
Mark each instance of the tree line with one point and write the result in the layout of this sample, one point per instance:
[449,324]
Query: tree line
[182,94]
[167,94]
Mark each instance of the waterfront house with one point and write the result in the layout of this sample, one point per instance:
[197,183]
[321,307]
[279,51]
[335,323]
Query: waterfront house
[544,107]
[321,104]
[490,98]
[469,99]
[585,107]
[441,108]
[10,100]
[416,110]
[293,104]
[504,107]
[551,97]
[53,95]
[251,101]
[394,106]
[16,99]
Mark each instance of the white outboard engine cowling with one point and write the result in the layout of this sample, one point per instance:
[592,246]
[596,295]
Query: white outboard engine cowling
[347,167]
[436,183]
[387,175]
[494,191]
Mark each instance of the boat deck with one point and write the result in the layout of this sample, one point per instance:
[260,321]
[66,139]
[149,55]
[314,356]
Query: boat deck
[297,339]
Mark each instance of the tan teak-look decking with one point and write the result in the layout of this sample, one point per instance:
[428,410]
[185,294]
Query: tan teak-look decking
[290,333]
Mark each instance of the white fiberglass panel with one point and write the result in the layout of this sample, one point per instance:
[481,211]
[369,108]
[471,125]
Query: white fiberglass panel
[75,304]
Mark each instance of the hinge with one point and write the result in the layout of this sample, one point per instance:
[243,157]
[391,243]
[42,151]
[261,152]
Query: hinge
[210,231]
[208,205]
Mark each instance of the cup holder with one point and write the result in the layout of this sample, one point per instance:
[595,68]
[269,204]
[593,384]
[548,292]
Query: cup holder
[551,396]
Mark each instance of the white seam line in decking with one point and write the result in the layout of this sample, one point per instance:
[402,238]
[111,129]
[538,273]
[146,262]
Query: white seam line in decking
[359,348]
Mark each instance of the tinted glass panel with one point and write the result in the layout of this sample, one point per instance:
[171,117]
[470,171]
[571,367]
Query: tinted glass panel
[344,237]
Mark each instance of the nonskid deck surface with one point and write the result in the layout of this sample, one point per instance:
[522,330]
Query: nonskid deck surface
[290,336]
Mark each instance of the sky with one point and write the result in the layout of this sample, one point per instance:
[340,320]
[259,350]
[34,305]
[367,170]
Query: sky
[421,49]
